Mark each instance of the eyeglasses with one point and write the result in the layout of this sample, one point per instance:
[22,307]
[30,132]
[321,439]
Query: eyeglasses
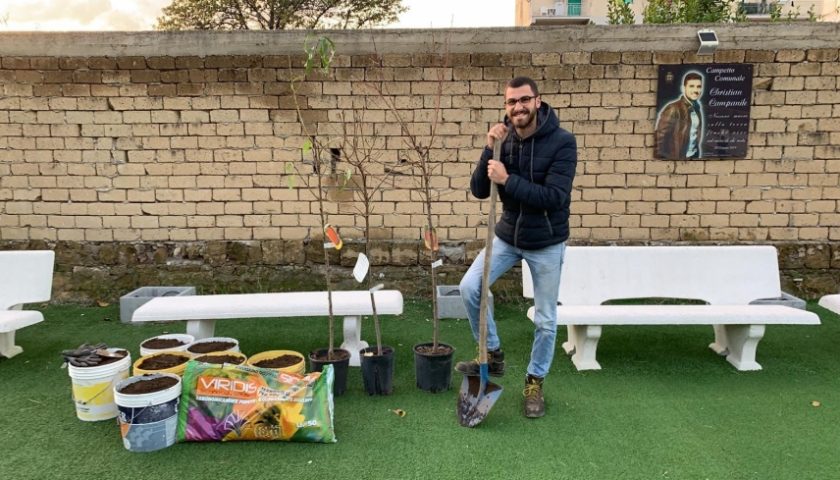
[510,102]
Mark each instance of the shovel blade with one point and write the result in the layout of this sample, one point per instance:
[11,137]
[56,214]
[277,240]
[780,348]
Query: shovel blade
[476,399]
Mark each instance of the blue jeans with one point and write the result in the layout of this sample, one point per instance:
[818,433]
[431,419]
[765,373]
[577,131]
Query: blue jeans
[545,265]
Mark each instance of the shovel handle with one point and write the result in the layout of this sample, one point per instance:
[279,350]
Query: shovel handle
[488,254]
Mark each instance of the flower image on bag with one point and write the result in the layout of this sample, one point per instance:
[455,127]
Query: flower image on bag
[238,402]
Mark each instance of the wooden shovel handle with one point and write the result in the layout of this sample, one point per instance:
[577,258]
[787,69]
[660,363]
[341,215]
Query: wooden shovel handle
[488,254]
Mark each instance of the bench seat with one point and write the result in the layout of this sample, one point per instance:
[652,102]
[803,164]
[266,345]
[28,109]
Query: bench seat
[727,278]
[743,324]
[680,315]
[201,311]
[831,302]
[11,320]
[25,277]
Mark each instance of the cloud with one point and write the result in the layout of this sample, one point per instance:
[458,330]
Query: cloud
[47,15]
[82,11]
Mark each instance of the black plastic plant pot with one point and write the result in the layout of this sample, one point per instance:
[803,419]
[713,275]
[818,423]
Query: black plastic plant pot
[340,363]
[378,370]
[433,368]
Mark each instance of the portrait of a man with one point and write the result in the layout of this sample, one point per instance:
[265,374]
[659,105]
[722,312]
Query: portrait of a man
[679,125]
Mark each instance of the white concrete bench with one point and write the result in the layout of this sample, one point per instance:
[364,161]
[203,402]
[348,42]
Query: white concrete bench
[25,277]
[831,302]
[202,311]
[727,278]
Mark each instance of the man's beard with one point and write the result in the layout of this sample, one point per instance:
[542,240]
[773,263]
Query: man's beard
[525,121]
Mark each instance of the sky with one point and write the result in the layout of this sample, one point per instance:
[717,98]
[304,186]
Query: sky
[75,15]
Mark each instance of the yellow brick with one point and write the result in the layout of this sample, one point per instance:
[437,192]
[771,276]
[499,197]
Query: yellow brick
[65,235]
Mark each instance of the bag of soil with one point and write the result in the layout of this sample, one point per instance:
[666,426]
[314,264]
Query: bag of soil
[239,402]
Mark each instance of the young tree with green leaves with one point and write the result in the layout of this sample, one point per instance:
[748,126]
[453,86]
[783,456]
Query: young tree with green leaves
[277,14]
[318,59]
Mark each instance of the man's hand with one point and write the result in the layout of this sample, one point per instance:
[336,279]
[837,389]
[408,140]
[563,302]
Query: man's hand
[497,131]
[497,172]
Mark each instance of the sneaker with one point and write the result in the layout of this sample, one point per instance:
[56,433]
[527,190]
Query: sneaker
[534,401]
[495,365]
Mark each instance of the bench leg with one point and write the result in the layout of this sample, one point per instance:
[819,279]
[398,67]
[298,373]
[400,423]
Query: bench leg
[569,344]
[353,339]
[586,344]
[201,328]
[721,344]
[743,341]
[8,348]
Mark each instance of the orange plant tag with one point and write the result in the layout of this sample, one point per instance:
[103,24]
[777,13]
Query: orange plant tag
[332,235]
[431,241]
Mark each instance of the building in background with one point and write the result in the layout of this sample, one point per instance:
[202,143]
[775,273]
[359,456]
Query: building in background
[581,12]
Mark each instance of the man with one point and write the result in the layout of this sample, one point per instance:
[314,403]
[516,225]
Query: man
[534,178]
[679,128]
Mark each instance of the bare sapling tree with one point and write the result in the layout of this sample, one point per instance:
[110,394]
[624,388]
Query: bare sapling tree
[419,159]
[363,154]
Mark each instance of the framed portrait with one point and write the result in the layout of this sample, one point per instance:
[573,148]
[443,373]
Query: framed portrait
[703,111]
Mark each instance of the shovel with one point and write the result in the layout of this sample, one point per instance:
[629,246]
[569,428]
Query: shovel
[478,394]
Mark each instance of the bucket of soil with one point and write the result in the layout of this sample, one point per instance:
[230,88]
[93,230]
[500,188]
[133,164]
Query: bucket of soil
[286,361]
[213,344]
[148,406]
[433,367]
[93,386]
[340,360]
[175,342]
[378,370]
[220,358]
[166,362]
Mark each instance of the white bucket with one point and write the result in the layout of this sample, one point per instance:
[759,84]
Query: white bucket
[148,421]
[183,337]
[93,388]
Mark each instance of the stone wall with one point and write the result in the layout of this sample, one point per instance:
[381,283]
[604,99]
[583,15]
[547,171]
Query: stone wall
[155,158]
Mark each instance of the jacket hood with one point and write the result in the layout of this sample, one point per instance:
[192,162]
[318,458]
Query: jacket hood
[547,121]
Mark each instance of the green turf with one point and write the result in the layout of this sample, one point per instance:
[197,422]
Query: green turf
[664,406]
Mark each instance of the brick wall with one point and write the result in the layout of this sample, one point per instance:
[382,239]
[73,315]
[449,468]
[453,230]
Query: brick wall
[174,145]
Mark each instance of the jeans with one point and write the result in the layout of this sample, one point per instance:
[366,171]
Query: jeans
[545,265]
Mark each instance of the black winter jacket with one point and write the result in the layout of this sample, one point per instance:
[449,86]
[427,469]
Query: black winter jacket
[537,194]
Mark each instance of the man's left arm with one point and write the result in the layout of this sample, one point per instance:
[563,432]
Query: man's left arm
[558,181]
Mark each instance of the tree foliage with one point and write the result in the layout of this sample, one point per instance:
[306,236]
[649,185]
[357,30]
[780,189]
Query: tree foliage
[691,11]
[620,13]
[277,14]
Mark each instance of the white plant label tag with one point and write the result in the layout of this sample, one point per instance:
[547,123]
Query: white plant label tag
[328,245]
[438,263]
[360,271]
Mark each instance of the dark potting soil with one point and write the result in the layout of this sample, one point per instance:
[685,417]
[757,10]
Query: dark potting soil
[278,362]
[119,355]
[161,343]
[219,359]
[337,355]
[430,350]
[148,386]
[162,362]
[207,347]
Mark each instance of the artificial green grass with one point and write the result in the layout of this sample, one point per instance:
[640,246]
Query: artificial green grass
[664,406]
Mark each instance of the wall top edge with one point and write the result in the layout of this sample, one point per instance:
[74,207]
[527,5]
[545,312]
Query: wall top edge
[588,38]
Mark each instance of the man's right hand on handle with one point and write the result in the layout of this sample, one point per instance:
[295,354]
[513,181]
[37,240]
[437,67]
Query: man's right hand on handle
[497,131]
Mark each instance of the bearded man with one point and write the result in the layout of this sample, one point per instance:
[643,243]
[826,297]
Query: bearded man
[534,179]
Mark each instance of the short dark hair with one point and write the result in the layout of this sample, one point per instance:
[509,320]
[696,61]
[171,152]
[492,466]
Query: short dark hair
[692,76]
[522,81]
